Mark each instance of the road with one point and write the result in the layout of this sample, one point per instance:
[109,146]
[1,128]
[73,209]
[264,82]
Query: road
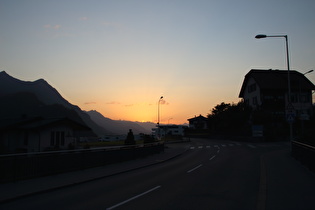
[210,175]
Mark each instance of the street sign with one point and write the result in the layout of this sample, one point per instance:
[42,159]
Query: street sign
[290,113]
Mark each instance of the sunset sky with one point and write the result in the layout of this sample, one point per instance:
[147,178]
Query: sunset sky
[120,56]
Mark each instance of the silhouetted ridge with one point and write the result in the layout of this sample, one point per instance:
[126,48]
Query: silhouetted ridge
[55,105]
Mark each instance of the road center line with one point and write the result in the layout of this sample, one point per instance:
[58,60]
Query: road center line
[262,194]
[130,199]
[212,157]
[194,168]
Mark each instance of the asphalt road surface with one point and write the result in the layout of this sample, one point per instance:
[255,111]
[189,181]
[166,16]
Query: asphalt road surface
[210,175]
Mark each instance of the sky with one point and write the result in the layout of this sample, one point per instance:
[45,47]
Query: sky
[120,56]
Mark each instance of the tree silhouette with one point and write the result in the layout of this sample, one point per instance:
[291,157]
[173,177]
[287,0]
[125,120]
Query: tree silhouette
[226,118]
[130,140]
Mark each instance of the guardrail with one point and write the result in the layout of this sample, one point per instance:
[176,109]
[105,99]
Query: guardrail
[304,153]
[29,165]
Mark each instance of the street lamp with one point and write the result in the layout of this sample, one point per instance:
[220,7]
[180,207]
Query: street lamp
[159,110]
[310,71]
[261,36]
[158,123]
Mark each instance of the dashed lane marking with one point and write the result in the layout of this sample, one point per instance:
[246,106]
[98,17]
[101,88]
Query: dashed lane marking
[212,157]
[191,170]
[130,199]
[251,146]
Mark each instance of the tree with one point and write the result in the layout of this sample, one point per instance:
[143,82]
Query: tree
[226,118]
[130,140]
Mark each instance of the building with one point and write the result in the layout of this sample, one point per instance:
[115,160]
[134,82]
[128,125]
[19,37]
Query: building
[39,134]
[198,123]
[267,90]
[162,131]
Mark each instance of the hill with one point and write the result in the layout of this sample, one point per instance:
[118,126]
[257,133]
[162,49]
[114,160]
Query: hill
[38,98]
[119,126]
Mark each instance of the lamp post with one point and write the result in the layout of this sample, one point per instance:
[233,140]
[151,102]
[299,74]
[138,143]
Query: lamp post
[261,36]
[158,123]
[310,71]
[159,110]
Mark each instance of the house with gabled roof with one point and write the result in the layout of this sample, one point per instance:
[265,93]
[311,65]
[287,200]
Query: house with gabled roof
[267,90]
[198,122]
[40,134]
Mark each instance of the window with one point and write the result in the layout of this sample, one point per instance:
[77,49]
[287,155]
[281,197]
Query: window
[294,98]
[252,88]
[62,138]
[255,101]
[304,98]
[57,138]
[52,138]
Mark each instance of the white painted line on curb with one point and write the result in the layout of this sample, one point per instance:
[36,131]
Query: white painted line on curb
[130,199]
[194,168]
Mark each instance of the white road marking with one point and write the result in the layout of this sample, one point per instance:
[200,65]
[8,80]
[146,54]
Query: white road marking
[192,147]
[218,150]
[223,145]
[194,168]
[200,147]
[208,146]
[252,146]
[130,199]
[212,157]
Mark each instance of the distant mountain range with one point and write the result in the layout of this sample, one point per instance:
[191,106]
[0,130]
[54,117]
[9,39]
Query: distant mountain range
[119,126]
[32,99]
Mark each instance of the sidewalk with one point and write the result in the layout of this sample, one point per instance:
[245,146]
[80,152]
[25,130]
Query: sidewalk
[289,184]
[19,189]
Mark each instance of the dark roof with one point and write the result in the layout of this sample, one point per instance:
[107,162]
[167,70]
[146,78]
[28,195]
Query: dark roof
[200,117]
[277,80]
[38,123]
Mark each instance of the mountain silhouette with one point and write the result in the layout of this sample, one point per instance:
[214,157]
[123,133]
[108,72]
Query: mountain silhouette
[43,91]
[38,98]
[120,126]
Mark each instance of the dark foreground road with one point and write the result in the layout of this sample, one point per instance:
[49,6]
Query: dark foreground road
[210,175]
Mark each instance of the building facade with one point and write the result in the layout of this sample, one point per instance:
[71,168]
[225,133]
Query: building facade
[267,90]
[163,131]
[198,123]
[38,135]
